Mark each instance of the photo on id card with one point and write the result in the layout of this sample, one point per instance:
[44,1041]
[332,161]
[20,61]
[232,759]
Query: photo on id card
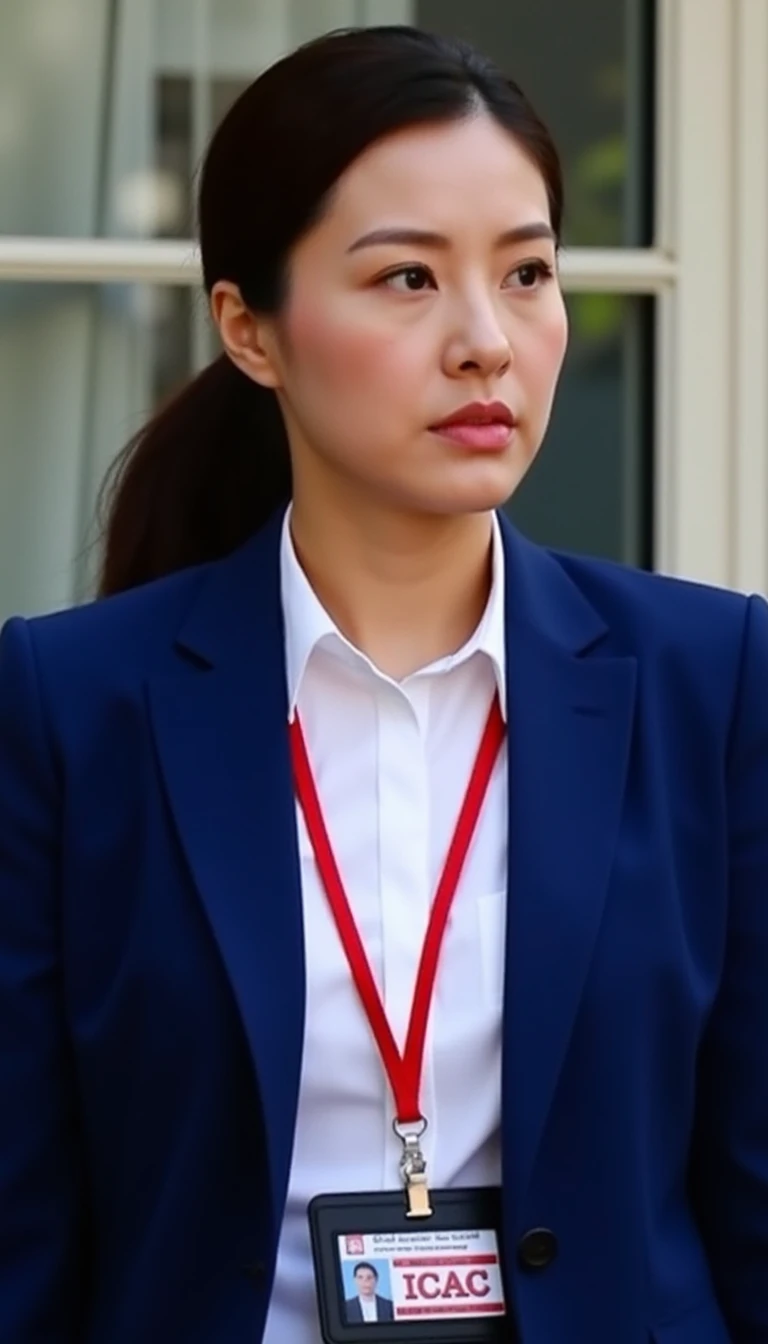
[381,1277]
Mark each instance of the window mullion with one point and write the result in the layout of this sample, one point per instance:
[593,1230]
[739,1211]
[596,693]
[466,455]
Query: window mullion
[749,446]
[696,319]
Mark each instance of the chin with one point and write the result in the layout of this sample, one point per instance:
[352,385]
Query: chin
[489,491]
[478,486]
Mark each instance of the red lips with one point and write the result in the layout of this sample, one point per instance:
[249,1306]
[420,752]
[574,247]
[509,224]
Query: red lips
[479,413]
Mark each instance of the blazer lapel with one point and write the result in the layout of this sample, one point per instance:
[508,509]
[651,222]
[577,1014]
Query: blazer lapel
[220,725]
[570,717]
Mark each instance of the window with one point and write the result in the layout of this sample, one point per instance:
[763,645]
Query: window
[592,487]
[81,367]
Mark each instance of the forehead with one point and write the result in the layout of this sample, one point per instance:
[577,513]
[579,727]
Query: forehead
[452,175]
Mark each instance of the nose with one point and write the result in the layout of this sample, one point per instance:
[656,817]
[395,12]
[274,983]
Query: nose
[480,346]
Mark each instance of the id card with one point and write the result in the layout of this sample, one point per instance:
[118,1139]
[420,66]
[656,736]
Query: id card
[383,1276]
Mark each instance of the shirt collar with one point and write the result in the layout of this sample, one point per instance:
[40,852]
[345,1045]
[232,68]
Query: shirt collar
[307,623]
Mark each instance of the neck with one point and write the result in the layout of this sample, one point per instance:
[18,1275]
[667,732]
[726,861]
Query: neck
[405,590]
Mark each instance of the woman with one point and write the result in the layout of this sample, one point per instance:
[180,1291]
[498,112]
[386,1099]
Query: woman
[314,615]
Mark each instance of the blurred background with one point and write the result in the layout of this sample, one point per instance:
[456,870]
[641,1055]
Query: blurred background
[658,449]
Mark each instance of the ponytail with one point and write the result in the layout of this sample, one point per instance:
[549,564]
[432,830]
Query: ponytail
[194,483]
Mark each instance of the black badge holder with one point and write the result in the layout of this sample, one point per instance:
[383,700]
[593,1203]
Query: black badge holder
[438,1278]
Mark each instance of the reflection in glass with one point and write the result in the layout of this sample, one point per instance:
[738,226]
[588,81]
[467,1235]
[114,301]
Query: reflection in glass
[106,105]
[81,368]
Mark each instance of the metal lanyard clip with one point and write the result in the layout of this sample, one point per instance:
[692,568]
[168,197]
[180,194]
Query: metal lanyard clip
[413,1169]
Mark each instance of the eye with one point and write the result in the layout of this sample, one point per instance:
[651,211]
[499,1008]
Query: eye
[532,274]
[411,280]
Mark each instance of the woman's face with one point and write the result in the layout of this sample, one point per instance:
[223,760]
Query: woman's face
[382,338]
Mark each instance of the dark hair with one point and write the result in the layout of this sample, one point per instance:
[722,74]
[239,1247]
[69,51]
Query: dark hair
[213,464]
[365,1265]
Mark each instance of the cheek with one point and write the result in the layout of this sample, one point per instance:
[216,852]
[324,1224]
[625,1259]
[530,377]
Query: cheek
[545,351]
[554,337]
[336,354]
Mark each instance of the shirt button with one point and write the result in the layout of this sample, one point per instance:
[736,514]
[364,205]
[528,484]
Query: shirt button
[537,1249]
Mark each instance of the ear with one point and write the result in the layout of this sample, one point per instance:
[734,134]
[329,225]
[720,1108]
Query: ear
[247,337]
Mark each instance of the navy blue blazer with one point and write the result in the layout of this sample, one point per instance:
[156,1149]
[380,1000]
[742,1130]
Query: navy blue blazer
[152,966]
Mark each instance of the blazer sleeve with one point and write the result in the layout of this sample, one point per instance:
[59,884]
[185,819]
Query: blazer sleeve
[40,1204]
[730,1168]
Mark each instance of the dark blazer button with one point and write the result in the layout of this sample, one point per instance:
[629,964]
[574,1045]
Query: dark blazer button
[255,1270]
[537,1249]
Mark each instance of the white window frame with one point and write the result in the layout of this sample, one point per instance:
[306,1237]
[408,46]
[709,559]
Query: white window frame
[711,505]
[708,271]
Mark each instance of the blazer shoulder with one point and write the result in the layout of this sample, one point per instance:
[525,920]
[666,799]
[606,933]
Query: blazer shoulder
[132,630]
[89,659]
[647,607]
[690,639]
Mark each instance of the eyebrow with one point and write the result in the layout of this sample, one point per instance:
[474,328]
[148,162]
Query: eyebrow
[524,233]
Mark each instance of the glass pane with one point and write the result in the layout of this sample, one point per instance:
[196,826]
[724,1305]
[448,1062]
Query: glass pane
[106,105]
[588,68]
[81,367]
[591,487]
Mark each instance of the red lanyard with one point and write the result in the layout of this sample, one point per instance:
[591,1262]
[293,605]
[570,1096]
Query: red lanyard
[404,1072]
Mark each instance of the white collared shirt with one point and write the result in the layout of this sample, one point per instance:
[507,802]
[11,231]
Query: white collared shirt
[368,1308]
[391,761]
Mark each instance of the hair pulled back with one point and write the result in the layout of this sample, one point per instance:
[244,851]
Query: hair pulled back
[213,463]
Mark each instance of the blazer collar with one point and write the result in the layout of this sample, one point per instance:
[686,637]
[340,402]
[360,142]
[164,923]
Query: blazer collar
[239,612]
